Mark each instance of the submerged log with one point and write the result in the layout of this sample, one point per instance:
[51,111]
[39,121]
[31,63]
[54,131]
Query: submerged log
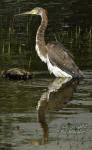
[16,74]
[20,74]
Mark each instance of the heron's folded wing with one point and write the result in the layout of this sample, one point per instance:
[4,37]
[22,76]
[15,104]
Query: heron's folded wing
[62,58]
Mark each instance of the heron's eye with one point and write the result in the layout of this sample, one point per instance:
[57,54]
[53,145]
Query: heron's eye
[34,11]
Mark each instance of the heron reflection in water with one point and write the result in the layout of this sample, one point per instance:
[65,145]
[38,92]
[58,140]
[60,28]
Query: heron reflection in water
[56,97]
[58,59]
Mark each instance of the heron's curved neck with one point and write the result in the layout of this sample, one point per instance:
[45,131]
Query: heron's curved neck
[40,41]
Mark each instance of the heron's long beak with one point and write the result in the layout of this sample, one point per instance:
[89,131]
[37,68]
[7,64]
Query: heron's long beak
[26,13]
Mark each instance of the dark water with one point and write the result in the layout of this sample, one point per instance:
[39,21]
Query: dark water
[44,112]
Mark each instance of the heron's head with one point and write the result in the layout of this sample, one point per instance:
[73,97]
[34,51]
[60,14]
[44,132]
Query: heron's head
[35,11]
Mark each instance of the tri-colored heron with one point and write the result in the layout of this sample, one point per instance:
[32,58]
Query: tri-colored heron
[58,59]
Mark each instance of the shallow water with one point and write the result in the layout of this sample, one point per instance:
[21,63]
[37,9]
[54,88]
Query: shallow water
[45,112]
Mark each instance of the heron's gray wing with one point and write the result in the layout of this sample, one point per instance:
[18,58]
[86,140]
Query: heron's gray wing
[62,58]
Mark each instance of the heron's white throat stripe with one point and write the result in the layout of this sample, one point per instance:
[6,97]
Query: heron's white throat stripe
[44,59]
